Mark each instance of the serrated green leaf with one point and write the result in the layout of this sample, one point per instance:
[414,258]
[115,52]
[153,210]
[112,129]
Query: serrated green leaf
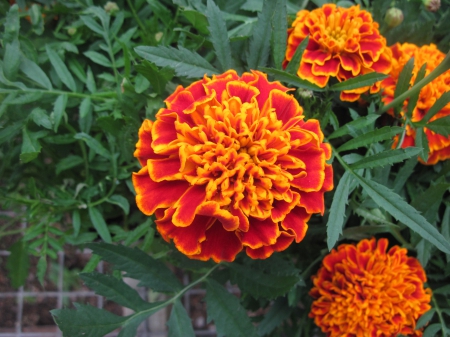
[440,126]
[40,117]
[157,78]
[444,290]
[61,69]
[229,316]
[58,110]
[9,132]
[357,124]
[432,330]
[98,58]
[114,290]
[18,263]
[197,19]
[437,106]
[294,80]
[428,202]
[160,10]
[120,201]
[404,79]
[94,144]
[30,144]
[337,210]
[99,224]
[129,329]
[92,263]
[219,35]
[277,313]
[415,97]
[445,227]
[92,24]
[279,33]
[185,62]
[421,141]
[86,321]
[138,232]
[11,59]
[138,265]
[41,268]
[77,69]
[403,212]
[35,73]
[259,47]
[371,137]
[252,6]
[179,323]
[388,157]
[260,284]
[76,222]
[359,82]
[68,162]
[294,64]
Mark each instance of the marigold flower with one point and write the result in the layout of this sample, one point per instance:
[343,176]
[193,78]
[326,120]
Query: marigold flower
[343,43]
[231,164]
[429,54]
[364,290]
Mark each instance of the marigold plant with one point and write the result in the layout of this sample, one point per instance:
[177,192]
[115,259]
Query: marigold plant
[343,43]
[432,57]
[231,164]
[367,290]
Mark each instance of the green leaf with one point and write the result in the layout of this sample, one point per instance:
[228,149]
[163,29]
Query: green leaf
[58,110]
[85,107]
[18,263]
[161,11]
[219,36]
[98,58]
[35,73]
[277,313]
[357,124]
[404,78]
[114,290]
[259,47]
[77,69]
[403,212]
[68,162]
[92,24]
[415,97]
[437,106]
[279,33]
[138,265]
[11,59]
[120,201]
[41,268]
[86,321]
[371,137]
[388,157]
[92,263]
[90,81]
[99,224]
[403,174]
[129,329]
[179,323]
[260,284]
[76,222]
[138,232]
[432,330]
[60,68]
[183,61]
[337,210]
[421,141]
[440,126]
[428,202]
[94,144]
[40,117]
[359,82]
[229,316]
[30,145]
[425,318]
[9,132]
[157,78]
[294,64]
[294,80]
[12,25]
[198,20]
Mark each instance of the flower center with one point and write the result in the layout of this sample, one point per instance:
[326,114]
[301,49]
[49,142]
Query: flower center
[233,150]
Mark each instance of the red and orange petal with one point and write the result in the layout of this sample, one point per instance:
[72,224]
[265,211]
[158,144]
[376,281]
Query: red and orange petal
[367,290]
[432,57]
[343,43]
[230,165]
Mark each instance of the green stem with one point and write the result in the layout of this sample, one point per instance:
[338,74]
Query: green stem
[173,299]
[97,96]
[311,266]
[133,11]
[11,232]
[440,69]
[83,151]
[441,318]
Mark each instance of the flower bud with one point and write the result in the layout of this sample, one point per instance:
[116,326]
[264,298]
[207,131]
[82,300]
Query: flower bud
[111,8]
[394,17]
[432,5]
[71,31]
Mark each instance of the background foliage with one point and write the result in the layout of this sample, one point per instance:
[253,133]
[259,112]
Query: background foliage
[76,80]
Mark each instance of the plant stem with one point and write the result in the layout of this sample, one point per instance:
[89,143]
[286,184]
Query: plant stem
[97,96]
[441,318]
[11,232]
[133,11]
[440,69]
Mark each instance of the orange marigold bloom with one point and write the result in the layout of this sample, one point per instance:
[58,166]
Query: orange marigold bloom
[343,43]
[231,164]
[429,54]
[364,290]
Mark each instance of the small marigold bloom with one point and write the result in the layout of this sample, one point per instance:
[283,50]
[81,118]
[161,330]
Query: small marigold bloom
[429,54]
[343,43]
[364,290]
[230,164]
